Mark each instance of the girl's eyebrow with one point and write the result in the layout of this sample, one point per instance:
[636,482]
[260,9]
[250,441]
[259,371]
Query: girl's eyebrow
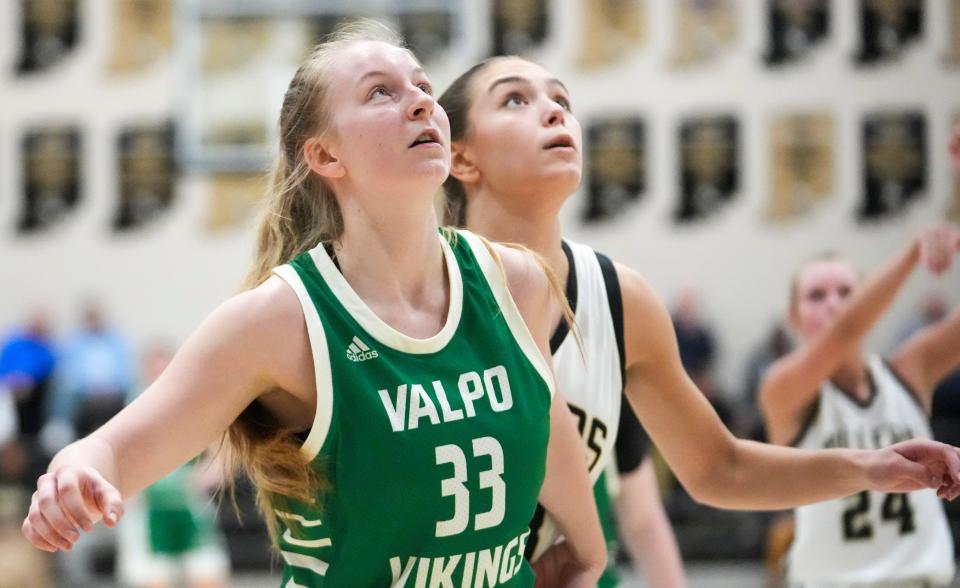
[522,80]
[380,73]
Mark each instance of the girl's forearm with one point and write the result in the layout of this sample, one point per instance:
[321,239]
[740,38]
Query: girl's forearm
[758,476]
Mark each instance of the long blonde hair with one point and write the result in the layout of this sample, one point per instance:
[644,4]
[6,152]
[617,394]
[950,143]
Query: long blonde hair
[300,211]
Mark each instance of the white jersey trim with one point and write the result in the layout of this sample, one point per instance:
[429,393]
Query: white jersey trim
[321,363]
[374,325]
[497,281]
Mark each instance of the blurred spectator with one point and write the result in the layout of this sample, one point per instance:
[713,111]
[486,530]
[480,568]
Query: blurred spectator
[27,362]
[95,375]
[26,367]
[694,337]
[776,345]
[697,350]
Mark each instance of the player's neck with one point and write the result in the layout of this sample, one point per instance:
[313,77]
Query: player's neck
[537,231]
[393,256]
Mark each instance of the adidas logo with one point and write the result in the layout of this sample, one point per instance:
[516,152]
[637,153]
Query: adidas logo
[358,351]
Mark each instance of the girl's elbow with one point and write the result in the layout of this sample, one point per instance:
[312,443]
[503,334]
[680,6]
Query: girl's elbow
[596,560]
[712,483]
[706,494]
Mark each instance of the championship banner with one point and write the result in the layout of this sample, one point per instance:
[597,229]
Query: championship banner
[802,174]
[796,27]
[703,29]
[49,32]
[147,175]
[234,199]
[887,28]
[952,54]
[895,163]
[428,34]
[518,26]
[51,177]
[709,177]
[142,34]
[611,30]
[616,166]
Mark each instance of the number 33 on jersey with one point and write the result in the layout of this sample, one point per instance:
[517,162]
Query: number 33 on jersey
[434,448]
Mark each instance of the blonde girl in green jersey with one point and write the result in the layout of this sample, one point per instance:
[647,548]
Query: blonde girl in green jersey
[416,363]
[516,158]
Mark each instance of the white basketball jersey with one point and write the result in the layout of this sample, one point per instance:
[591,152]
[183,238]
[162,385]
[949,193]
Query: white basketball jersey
[590,378]
[870,539]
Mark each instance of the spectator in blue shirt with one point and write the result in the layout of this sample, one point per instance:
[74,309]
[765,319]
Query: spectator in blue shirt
[96,372]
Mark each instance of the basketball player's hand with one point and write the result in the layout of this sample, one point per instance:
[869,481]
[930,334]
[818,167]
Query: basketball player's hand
[938,245]
[915,465]
[68,500]
[558,567]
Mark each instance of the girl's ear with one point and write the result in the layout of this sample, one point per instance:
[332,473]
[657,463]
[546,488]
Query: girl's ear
[461,164]
[322,160]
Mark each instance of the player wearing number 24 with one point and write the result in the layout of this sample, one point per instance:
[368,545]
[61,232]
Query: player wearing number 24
[827,394]
[423,462]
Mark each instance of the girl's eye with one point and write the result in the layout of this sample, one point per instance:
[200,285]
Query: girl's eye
[379,91]
[427,88]
[515,99]
[562,101]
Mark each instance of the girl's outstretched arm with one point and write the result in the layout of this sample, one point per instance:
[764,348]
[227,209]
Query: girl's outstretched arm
[722,471]
[252,344]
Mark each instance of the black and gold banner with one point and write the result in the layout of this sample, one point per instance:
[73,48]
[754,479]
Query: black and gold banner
[616,166]
[795,28]
[143,34]
[145,163]
[51,177]
[611,30]
[887,28]
[703,30]
[895,163]
[49,32]
[709,174]
[519,26]
[802,173]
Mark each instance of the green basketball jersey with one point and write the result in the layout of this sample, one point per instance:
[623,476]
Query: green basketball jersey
[435,448]
[177,519]
[601,494]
